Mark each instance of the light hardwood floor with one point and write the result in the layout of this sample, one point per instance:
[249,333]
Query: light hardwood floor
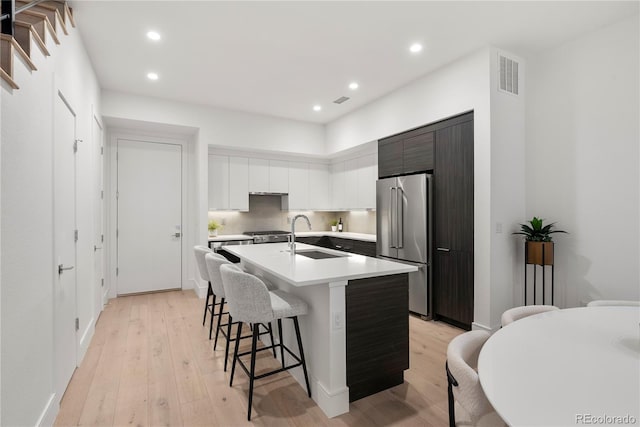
[150,363]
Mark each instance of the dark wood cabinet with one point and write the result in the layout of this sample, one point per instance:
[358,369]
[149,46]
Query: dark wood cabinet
[407,153]
[453,222]
[377,333]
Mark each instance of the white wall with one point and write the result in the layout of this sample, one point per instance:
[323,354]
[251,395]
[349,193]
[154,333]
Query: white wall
[582,161]
[507,192]
[461,86]
[27,225]
[220,127]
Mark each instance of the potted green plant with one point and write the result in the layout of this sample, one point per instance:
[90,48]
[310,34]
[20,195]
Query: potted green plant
[214,226]
[538,241]
[334,225]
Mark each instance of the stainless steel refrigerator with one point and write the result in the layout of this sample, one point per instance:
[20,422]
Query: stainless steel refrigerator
[403,215]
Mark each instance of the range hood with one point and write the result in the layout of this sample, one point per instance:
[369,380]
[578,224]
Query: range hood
[266,193]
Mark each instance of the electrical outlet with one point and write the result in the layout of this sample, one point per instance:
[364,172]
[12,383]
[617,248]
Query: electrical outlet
[338,320]
[288,219]
[223,221]
[498,228]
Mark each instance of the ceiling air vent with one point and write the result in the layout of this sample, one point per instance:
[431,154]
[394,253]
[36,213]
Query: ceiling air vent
[508,78]
[341,100]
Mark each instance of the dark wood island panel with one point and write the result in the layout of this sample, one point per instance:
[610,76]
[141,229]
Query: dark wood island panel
[377,322]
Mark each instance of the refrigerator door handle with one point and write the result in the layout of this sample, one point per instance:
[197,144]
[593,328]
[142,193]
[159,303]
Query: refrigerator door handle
[392,220]
[400,217]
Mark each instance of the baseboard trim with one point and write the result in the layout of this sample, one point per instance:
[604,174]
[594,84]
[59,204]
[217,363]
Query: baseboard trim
[480,327]
[199,289]
[83,346]
[50,412]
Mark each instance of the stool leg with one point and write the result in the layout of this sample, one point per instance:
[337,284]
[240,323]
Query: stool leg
[215,343]
[206,304]
[254,343]
[235,353]
[271,338]
[226,349]
[281,341]
[304,364]
[213,312]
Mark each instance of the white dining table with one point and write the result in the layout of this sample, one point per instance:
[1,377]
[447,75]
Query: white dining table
[578,366]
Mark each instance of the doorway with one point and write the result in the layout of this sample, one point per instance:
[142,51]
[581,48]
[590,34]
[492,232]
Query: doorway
[65,238]
[149,216]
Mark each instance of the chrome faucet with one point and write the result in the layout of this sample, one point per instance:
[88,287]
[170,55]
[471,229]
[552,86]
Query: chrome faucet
[292,245]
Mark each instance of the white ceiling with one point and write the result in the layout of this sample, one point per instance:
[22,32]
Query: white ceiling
[281,58]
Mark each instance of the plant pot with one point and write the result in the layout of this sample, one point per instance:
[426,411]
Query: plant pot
[534,251]
[334,228]
[213,233]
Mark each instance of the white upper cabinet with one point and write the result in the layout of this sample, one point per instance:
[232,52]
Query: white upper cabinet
[351,184]
[239,183]
[299,190]
[258,175]
[228,183]
[218,182]
[338,195]
[367,176]
[319,186]
[278,176]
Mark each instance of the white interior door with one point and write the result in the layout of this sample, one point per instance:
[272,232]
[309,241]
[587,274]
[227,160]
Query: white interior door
[149,223]
[64,201]
[98,218]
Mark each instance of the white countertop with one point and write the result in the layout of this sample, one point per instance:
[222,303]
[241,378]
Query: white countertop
[303,271]
[344,235]
[549,369]
[230,237]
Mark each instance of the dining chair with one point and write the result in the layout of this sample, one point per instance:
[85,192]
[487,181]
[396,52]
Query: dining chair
[518,313]
[468,405]
[612,302]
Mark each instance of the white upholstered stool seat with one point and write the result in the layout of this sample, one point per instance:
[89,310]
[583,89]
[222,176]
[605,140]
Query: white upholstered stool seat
[214,262]
[250,301]
[518,313]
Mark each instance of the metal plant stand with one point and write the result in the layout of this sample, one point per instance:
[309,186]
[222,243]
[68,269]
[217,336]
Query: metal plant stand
[543,257]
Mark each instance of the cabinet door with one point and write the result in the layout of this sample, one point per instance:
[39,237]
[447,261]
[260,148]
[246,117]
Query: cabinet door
[418,152]
[367,174]
[338,201]
[453,202]
[390,156]
[239,183]
[298,186]
[350,184]
[453,287]
[218,182]
[258,175]
[278,176]
[319,186]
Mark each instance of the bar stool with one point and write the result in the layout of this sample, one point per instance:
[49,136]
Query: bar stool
[251,301]
[213,263]
[200,252]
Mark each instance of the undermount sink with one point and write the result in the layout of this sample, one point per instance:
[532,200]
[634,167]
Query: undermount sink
[319,254]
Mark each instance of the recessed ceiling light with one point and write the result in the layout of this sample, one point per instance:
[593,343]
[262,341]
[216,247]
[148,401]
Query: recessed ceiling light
[415,48]
[317,108]
[153,35]
[152,76]
[353,85]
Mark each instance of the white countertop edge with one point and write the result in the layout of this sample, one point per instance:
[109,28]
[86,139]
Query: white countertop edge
[344,234]
[230,237]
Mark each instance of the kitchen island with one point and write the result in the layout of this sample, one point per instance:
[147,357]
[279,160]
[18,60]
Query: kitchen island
[356,334]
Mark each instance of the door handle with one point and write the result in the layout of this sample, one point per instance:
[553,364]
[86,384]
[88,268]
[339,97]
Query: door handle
[177,234]
[443,249]
[95,248]
[400,218]
[62,268]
